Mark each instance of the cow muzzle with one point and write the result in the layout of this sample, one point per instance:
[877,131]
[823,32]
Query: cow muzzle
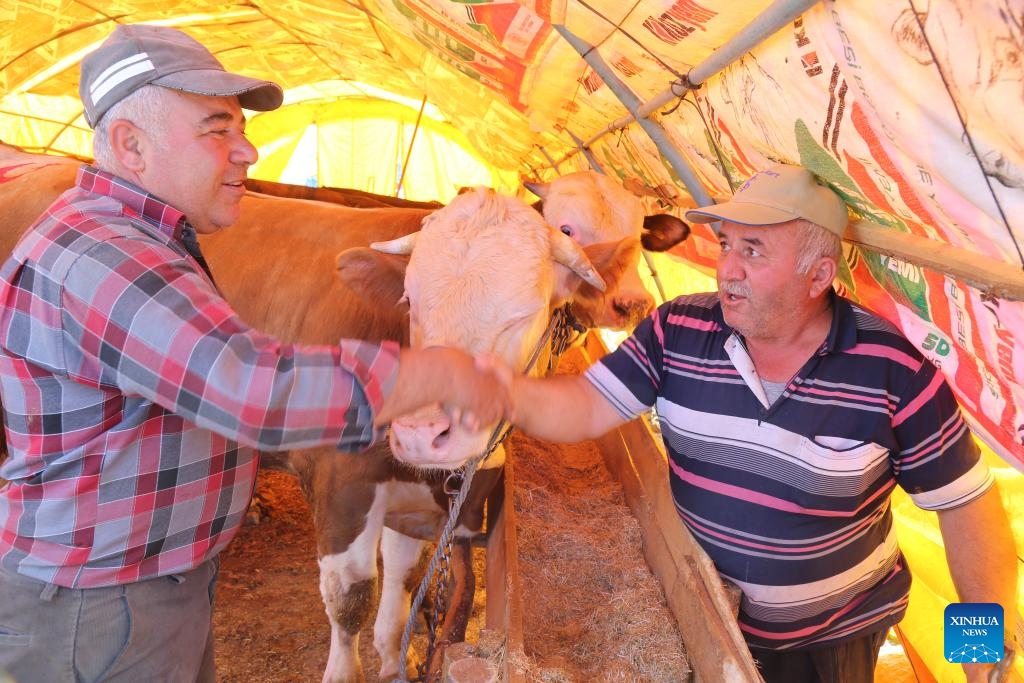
[428,439]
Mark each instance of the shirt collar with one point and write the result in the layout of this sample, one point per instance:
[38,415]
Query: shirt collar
[136,200]
[842,335]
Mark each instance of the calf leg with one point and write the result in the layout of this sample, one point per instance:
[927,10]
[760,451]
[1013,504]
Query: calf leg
[401,559]
[348,509]
[348,586]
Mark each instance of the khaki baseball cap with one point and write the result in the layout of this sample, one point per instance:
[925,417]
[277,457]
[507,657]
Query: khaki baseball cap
[778,194]
[135,55]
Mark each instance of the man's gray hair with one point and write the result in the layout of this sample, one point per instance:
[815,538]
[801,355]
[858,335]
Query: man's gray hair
[145,108]
[816,242]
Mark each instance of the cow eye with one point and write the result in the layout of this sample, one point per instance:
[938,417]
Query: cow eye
[566,230]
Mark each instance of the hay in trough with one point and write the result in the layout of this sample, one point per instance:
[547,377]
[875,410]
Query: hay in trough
[593,611]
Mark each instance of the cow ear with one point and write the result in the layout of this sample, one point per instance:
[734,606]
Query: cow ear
[377,278]
[662,231]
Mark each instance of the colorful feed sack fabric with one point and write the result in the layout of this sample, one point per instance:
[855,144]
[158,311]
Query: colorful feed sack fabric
[808,95]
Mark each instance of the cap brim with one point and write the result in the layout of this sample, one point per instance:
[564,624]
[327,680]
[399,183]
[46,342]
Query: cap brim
[739,212]
[252,93]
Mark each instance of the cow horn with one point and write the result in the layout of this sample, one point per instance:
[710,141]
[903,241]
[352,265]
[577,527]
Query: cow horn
[400,245]
[538,188]
[570,254]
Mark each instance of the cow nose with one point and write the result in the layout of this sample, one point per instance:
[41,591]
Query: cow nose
[428,438]
[431,434]
[632,309]
[422,438]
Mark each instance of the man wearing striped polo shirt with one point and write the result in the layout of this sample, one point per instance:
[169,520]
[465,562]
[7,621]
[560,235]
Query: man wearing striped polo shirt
[789,415]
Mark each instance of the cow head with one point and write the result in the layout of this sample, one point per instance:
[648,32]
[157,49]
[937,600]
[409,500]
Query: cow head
[593,209]
[483,275]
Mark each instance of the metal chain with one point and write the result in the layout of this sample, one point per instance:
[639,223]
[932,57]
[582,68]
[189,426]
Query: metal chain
[566,329]
[445,541]
[444,578]
[562,328]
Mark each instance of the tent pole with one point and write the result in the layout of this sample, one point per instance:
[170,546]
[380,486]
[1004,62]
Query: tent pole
[654,130]
[591,159]
[554,164]
[319,177]
[778,15]
[408,152]
[775,17]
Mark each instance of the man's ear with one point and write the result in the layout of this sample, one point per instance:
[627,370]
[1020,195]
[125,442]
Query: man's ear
[823,272]
[126,143]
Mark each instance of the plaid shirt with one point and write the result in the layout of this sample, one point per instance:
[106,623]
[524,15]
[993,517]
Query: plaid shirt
[134,396]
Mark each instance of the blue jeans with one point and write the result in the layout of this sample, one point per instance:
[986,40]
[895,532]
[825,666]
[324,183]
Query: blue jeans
[850,662]
[158,630]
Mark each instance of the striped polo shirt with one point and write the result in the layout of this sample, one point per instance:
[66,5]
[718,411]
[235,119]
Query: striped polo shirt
[791,499]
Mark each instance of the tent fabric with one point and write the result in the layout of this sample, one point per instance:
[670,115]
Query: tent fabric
[911,110]
[364,142]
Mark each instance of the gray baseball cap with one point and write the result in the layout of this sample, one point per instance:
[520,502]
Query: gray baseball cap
[138,54]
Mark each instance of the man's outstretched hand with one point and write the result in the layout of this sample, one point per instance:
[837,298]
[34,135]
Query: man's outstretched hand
[472,392]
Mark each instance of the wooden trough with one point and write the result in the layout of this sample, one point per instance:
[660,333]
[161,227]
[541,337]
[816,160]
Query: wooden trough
[703,608]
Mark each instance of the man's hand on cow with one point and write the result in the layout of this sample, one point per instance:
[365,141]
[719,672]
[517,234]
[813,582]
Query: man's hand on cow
[480,397]
[503,375]
[471,394]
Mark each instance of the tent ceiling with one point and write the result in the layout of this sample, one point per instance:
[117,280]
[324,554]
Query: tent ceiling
[498,71]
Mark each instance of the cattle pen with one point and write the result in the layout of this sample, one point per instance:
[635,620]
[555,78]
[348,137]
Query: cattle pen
[578,570]
[700,604]
[904,109]
[270,624]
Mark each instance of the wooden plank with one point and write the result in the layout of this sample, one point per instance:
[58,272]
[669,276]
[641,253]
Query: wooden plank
[1002,280]
[693,589]
[504,602]
[694,592]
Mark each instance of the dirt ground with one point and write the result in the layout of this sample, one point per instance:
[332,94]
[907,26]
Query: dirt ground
[591,604]
[269,621]
[589,595]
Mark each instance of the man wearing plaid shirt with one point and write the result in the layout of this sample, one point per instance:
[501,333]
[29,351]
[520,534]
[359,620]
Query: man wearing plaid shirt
[127,380]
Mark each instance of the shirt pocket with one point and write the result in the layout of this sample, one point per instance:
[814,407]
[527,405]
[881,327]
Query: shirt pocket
[829,449]
[840,469]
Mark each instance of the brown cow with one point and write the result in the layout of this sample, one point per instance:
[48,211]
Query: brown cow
[336,195]
[277,268]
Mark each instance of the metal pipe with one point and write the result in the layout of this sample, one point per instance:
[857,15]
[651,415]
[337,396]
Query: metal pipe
[408,153]
[775,17]
[654,130]
[554,164]
[591,159]
[764,25]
